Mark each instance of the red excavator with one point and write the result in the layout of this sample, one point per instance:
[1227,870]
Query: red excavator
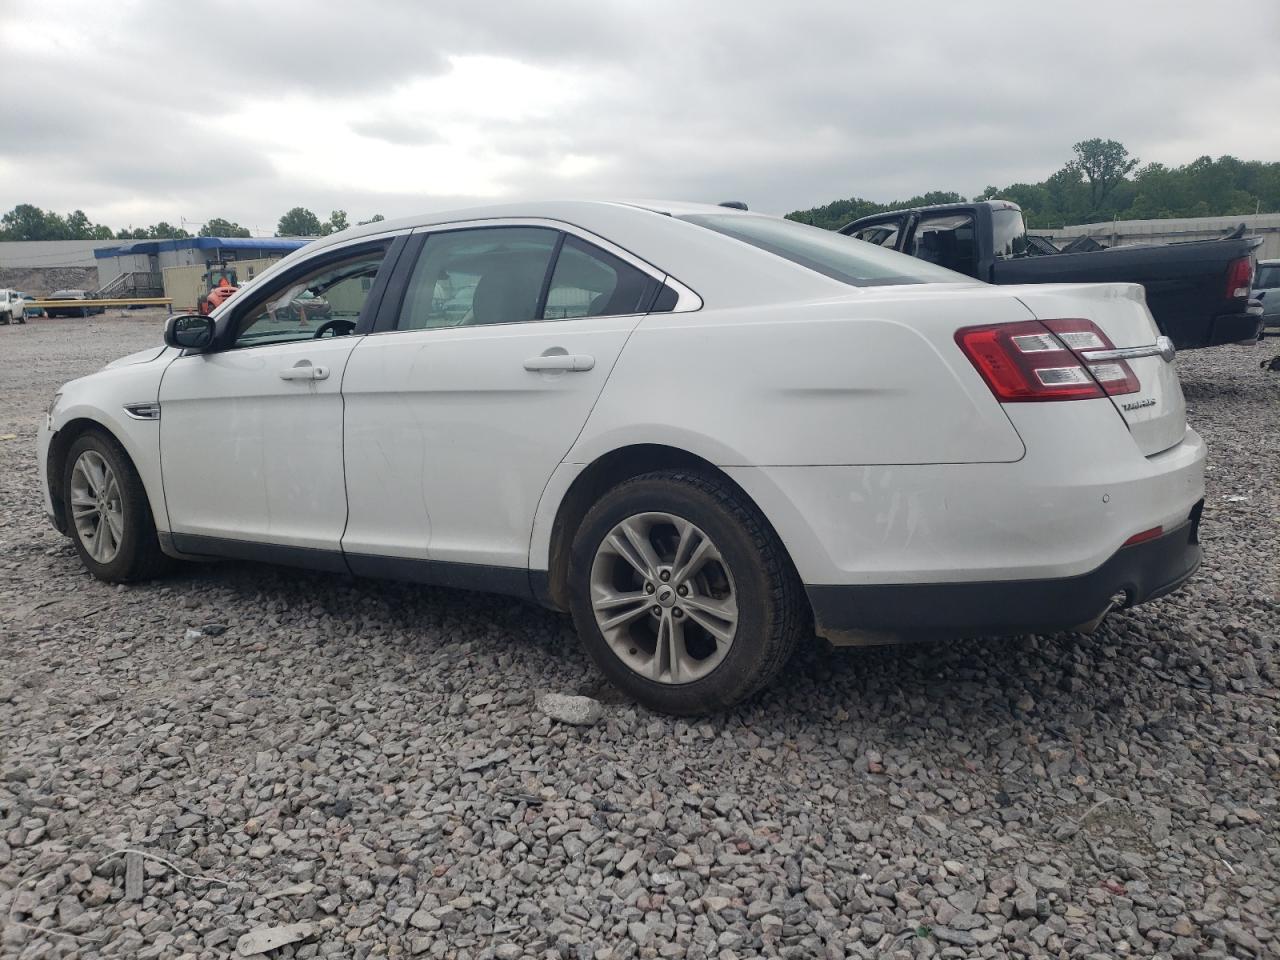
[220,282]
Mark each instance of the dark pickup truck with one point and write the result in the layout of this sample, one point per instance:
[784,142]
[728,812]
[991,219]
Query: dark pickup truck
[1198,291]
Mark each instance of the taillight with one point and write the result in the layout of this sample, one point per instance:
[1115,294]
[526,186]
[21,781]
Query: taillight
[1034,360]
[1239,278]
[1116,377]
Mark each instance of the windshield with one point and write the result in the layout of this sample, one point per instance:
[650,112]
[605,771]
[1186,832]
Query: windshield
[1268,277]
[1009,234]
[850,261]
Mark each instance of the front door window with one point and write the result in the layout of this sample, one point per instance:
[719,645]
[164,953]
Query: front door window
[326,303]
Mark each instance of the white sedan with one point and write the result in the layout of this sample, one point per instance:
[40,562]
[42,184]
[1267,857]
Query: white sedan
[705,432]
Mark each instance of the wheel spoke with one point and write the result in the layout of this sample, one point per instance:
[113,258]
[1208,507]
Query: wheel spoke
[116,525]
[637,604]
[640,543]
[624,549]
[98,548]
[703,552]
[720,629]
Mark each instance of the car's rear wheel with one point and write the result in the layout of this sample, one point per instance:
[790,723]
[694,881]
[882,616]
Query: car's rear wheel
[682,593]
[108,513]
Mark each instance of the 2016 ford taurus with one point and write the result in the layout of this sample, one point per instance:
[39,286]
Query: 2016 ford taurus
[705,432]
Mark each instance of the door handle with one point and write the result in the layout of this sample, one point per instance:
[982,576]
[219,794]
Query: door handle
[570,362]
[303,370]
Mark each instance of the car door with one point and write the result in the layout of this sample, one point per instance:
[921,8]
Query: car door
[251,431]
[457,414]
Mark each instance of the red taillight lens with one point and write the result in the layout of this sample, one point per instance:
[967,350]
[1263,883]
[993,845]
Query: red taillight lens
[1042,360]
[1239,278]
[1116,377]
[1024,362]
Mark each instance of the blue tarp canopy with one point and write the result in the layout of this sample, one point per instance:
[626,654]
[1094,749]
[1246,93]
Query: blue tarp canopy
[149,247]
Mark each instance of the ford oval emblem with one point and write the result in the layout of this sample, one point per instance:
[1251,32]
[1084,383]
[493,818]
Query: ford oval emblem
[1166,348]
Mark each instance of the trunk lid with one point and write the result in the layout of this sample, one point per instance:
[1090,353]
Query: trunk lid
[1156,412]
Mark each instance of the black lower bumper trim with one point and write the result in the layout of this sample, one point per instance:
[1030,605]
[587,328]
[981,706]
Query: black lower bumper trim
[1141,572]
[1235,328]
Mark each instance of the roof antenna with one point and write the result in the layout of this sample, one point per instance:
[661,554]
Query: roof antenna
[733,204]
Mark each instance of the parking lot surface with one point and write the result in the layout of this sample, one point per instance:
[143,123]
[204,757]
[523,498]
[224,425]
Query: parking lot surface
[366,758]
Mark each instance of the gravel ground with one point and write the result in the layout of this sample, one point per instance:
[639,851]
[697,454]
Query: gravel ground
[367,760]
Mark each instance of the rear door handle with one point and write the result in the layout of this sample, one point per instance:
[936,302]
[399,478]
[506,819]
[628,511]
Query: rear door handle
[571,362]
[303,370]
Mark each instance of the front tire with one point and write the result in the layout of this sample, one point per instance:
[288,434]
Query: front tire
[107,512]
[682,593]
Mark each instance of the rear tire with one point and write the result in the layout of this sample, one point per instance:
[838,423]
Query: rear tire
[108,514]
[737,616]
[4,319]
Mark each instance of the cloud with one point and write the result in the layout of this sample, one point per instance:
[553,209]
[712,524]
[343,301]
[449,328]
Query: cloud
[154,110]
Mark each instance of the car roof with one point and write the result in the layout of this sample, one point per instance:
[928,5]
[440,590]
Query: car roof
[718,268]
[567,210]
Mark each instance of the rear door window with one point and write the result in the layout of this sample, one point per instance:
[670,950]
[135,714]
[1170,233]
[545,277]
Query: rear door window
[497,275]
[588,282]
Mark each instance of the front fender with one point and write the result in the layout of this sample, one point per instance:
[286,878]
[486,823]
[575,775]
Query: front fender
[100,400]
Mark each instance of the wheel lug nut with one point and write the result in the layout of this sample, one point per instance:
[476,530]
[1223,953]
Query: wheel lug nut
[678,612]
[682,590]
[648,588]
[665,575]
[656,610]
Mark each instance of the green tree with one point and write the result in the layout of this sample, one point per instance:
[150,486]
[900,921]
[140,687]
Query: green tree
[165,231]
[218,227]
[1104,164]
[337,221]
[28,222]
[376,218]
[299,222]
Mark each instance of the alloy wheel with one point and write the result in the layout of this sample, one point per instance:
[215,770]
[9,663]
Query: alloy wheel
[96,508]
[663,598]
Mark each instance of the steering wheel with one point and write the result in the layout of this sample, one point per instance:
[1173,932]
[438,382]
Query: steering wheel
[334,328]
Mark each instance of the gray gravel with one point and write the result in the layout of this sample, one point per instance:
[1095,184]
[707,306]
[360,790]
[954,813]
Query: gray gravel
[366,760]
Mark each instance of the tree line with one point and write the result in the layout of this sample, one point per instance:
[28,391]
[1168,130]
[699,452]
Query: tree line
[1103,182]
[28,222]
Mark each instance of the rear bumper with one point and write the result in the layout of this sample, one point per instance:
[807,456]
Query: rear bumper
[1236,328]
[1140,572]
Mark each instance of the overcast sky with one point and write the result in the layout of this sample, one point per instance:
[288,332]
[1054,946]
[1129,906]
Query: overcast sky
[143,111]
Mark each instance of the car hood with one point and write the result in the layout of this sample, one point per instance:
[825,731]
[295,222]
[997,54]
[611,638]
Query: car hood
[142,356]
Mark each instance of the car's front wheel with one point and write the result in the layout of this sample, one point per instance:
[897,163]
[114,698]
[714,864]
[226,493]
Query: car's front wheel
[682,593]
[108,512]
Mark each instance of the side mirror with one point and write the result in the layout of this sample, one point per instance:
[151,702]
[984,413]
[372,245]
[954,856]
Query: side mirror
[189,331]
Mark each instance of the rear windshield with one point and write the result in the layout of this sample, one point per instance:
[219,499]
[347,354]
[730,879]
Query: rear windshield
[842,258]
[1008,234]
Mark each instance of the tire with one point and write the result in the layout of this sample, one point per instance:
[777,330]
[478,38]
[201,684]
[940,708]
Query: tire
[22,318]
[4,319]
[137,554]
[750,574]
